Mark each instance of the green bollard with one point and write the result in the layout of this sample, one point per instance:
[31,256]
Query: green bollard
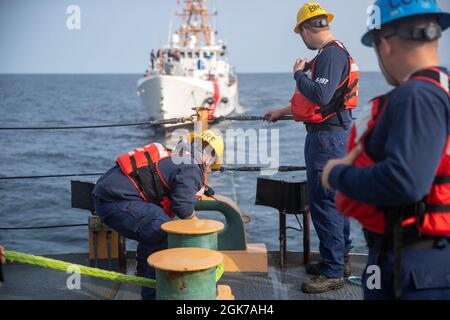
[233,237]
[193,233]
[186,273]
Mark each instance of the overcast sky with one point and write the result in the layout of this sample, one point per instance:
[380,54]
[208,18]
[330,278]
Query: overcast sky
[116,35]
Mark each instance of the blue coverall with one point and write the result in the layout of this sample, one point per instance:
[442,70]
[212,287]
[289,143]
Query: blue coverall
[118,204]
[326,141]
[407,144]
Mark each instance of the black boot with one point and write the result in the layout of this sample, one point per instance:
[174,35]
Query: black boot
[313,268]
[321,284]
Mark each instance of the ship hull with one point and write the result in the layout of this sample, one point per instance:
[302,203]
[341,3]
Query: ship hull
[166,97]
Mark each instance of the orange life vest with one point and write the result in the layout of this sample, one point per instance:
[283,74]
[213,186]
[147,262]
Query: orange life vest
[345,98]
[141,167]
[432,215]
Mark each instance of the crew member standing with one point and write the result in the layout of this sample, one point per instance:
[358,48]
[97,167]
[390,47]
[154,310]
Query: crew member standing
[152,59]
[327,91]
[396,179]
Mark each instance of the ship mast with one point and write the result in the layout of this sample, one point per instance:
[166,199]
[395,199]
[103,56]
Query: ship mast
[195,22]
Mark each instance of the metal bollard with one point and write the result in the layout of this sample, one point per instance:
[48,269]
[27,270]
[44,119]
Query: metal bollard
[186,273]
[193,233]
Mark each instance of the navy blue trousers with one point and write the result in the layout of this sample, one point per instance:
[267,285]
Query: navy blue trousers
[332,228]
[140,221]
[425,274]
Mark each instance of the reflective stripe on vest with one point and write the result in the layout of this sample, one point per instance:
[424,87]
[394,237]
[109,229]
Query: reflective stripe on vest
[345,97]
[436,219]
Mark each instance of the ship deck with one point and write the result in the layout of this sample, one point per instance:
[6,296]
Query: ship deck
[31,282]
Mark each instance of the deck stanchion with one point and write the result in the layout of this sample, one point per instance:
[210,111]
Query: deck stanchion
[306,236]
[202,119]
[282,237]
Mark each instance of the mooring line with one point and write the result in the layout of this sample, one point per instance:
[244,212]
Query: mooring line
[45,227]
[148,123]
[60,265]
[179,120]
[88,271]
[221,169]
[52,176]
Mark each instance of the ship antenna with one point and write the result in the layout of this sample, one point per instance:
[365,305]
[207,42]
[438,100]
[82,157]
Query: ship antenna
[170,31]
[215,16]
[195,22]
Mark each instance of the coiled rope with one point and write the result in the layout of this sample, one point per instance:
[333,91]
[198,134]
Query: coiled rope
[54,264]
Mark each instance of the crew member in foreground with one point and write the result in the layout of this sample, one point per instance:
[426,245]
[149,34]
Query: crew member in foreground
[396,178]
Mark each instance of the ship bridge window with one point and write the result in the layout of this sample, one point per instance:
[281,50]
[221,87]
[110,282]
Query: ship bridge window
[197,54]
[183,54]
[190,54]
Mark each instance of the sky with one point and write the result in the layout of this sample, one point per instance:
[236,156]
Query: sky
[116,36]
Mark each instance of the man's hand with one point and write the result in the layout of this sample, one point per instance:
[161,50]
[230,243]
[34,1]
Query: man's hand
[348,160]
[273,115]
[300,64]
[2,255]
[192,217]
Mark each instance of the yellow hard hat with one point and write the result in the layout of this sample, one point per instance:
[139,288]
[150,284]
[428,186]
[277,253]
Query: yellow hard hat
[308,11]
[215,140]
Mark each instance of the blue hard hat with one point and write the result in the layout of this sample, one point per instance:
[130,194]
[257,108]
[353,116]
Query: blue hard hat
[392,10]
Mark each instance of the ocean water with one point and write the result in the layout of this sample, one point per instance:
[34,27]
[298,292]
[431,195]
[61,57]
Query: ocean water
[58,100]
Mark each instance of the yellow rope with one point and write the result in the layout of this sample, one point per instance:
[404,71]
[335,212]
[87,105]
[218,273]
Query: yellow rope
[88,271]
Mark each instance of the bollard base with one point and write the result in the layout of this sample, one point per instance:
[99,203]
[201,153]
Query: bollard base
[224,293]
[254,259]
